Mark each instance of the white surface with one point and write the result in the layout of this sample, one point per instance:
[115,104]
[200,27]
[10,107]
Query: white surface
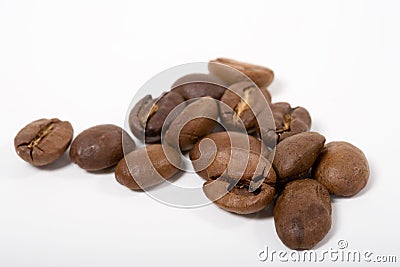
[82,61]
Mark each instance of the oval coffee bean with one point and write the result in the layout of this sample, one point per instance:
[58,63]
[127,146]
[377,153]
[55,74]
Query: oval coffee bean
[199,85]
[147,166]
[262,76]
[241,104]
[100,147]
[296,154]
[302,214]
[43,141]
[246,181]
[204,151]
[148,116]
[195,121]
[342,168]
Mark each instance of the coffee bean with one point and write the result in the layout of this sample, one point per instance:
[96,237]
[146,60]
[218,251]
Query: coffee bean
[342,168]
[288,121]
[195,121]
[302,214]
[147,166]
[241,104]
[199,85]
[296,154]
[204,151]
[222,67]
[246,181]
[100,147]
[148,116]
[43,141]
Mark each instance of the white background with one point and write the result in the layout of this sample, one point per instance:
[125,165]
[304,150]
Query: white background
[83,61]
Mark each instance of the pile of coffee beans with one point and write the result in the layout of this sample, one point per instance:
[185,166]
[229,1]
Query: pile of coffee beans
[250,151]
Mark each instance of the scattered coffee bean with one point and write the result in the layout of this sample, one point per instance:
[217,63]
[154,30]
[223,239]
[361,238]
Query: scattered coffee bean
[147,166]
[295,155]
[43,141]
[222,67]
[195,121]
[241,105]
[199,85]
[147,117]
[302,214]
[100,147]
[342,168]
[246,181]
[204,151]
[288,121]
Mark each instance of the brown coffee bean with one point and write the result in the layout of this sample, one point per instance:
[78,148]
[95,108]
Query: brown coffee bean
[222,67]
[204,151]
[296,154]
[43,141]
[241,104]
[342,168]
[302,214]
[288,121]
[100,147]
[148,116]
[195,121]
[147,166]
[246,181]
[199,85]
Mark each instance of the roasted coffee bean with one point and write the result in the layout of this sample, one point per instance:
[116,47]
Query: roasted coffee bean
[199,85]
[302,214]
[148,116]
[288,121]
[246,181]
[147,166]
[204,151]
[43,141]
[222,67]
[100,147]
[296,154]
[195,121]
[241,104]
[342,168]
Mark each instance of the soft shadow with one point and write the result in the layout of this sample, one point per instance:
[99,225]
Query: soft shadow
[165,183]
[103,171]
[276,87]
[61,162]
[266,213]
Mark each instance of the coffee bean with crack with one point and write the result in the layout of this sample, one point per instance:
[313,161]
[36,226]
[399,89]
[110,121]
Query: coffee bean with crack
[302,214]
[295,155]
[233,71]
[196,120]
[240,181]
[342,168]
[199,85]
[204,151]
[148,116]
[43,141]
[241,104]
[100,147]
[288,121]
[147,166]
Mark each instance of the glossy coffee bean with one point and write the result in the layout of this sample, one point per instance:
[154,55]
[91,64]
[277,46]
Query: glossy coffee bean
[246,181]
[296,154]
[100,147]
[241,104]
[302,214]
[342,168]
[222,67]
[204,151]
[195,121]
[148,116]
[147,166]
[43,141]
[199,85]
